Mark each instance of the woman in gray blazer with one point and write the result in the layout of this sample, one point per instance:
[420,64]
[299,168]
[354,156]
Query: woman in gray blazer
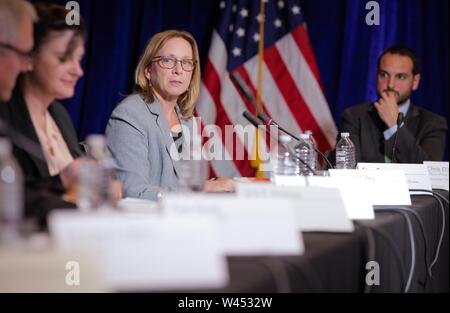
[147,130]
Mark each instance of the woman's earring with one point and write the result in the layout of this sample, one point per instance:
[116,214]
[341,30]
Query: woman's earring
[150,83]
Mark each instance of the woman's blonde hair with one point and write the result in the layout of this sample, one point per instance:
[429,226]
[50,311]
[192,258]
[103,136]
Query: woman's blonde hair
[187,100]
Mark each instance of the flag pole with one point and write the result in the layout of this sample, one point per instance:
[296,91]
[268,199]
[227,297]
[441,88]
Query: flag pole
[257,162]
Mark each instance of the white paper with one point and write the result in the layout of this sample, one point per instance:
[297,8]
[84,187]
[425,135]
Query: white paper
[146,253]
[438,172]
[387,187]
[317,209]
[416,175]
[246,226]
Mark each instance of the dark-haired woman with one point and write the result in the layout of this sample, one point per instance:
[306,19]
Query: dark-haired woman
[34,113]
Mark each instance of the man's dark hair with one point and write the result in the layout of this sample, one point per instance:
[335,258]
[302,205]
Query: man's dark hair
[404,51]
[52,17]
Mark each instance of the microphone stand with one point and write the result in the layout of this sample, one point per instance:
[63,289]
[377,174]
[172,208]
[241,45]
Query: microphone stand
[400,119]
[269,122]
[239,82]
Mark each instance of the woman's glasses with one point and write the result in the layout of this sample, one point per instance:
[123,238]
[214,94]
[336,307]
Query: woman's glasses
[166,62]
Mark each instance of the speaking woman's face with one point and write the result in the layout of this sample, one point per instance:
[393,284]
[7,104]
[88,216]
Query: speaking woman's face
[57,64]
[171,69]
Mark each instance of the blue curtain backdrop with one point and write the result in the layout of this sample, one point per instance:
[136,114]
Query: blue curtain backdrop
[346,48]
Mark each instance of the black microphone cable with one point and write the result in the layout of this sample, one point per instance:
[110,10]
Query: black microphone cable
[400,119]
[371,252]
[403,211]
[308,272]
[278,273]
[394,248]
[413,251]
[424,236]
[434,193]
[438,197]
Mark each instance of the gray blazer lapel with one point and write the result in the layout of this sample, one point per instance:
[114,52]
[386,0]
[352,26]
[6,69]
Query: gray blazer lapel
[375,129]
[186,124]
[156,110]
[411,119]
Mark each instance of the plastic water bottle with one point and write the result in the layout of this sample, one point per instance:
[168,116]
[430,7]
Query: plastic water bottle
[11,195]
[304,152]
[283,162]
[345,153]
[313,142]
[88,182]
[96,173]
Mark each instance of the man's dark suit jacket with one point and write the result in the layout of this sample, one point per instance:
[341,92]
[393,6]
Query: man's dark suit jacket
[42,191]
[421,138]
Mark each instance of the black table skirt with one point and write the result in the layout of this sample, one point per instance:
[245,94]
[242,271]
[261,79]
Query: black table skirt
[336,262]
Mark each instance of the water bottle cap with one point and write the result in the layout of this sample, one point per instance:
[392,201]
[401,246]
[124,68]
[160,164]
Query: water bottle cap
[304,136]
[96,140]
[345,135]
[285,138]
[5,146]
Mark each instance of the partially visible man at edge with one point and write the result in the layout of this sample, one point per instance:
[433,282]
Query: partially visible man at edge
[16,46]
[16,43]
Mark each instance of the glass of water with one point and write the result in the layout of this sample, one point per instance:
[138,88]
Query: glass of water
[193,175]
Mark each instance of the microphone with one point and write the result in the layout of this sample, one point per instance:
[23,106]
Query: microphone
[237,79]
[400,119]
[242,86]
[251,118]
[271,122]
[255,122]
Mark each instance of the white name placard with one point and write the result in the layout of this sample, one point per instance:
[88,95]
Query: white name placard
[246,226]
[416,174]
[137,205]
[146,253]
[438,172]
[31,269]
[316,208]
[285,180]
[387,187]
[354,192]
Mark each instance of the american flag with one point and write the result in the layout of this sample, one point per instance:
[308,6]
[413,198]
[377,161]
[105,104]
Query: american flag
[292,93]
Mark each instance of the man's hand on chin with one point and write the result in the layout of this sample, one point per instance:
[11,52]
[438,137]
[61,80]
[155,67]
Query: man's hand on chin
[387,108]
